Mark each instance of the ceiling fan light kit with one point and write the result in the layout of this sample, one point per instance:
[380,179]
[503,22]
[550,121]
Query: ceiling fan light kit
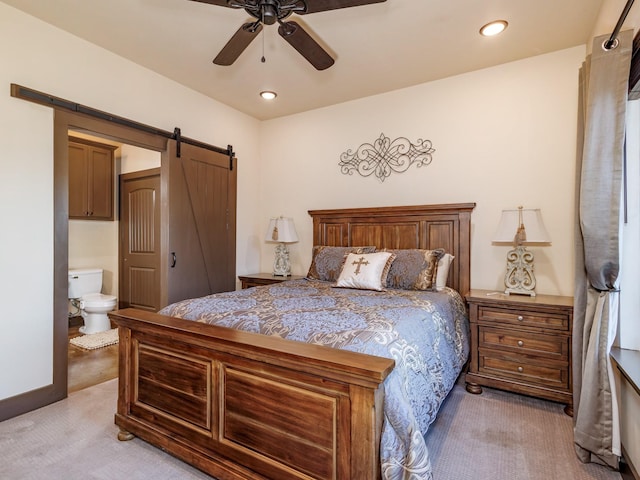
[268,12]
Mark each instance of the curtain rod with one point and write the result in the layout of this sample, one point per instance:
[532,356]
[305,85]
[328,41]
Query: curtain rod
[614,35]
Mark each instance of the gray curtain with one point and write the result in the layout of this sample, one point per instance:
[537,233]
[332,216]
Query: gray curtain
[601,128]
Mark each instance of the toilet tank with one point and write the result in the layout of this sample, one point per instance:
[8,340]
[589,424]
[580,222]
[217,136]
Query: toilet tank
[83,281]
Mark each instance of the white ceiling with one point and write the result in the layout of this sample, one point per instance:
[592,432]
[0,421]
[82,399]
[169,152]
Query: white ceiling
[377,48]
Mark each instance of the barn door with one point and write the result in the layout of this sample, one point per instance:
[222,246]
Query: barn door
[140,275]
[202,222]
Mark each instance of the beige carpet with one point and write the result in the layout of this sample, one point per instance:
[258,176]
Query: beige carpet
[75,439]
[496,435]
[96,340]
[500,435]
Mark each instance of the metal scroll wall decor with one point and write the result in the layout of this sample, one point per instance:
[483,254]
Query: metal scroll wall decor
[386,156]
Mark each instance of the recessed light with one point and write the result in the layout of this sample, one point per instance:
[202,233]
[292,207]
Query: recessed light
[493,28]
[268,95]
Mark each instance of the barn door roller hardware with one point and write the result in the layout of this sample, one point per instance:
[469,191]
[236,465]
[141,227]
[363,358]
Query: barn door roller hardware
[18,91]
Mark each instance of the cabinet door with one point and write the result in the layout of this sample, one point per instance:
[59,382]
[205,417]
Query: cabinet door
[100,176]
[91,181]
[78,187]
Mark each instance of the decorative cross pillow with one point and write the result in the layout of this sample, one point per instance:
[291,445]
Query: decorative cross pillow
[326,262]
[365,271]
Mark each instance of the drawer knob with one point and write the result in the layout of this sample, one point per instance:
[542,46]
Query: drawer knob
[520,369]
[520,318]
[520,343]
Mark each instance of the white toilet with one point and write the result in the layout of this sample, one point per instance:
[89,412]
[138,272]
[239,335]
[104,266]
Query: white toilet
[84,287]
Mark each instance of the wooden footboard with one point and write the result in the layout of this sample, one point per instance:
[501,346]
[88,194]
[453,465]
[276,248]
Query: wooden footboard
[239,405]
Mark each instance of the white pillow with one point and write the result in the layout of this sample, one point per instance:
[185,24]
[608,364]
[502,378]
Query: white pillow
[365,271]
[442,274]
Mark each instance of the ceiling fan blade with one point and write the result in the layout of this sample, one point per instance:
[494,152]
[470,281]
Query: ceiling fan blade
[237,44]
[314,6]
[221,3]
[299,39]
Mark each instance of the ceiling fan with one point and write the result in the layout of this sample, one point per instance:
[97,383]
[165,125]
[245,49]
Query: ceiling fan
[268,12]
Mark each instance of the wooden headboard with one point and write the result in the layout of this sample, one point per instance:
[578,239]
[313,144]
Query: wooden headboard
[445,226]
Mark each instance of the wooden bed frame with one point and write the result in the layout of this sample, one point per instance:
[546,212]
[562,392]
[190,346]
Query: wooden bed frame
[239,405]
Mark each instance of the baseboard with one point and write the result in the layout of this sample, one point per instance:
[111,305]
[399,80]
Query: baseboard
[28,401]
[627,469]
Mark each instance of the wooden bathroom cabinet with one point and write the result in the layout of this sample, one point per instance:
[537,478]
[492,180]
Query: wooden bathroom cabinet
[91,183]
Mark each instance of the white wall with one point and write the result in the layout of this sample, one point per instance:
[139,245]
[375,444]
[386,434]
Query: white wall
[94,244]
[47,59]
[134,159]
[503,137]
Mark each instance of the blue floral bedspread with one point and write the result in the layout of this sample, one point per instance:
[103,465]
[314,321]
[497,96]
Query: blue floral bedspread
[426,333]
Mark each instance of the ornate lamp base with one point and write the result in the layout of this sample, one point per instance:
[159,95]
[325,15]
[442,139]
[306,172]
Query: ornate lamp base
[519,277]
[281,265]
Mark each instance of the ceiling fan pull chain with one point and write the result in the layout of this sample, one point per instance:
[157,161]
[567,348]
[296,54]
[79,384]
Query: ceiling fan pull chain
[263,60]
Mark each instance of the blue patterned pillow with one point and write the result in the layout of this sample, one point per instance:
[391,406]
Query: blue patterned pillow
[414,269]
[326,262]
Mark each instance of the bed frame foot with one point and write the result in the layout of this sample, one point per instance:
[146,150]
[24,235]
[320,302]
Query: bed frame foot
[125,436]
[474,388]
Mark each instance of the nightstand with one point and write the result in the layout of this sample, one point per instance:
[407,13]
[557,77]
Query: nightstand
[256,279]
[521,344]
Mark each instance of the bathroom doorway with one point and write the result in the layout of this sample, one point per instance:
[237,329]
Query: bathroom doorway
[94,244]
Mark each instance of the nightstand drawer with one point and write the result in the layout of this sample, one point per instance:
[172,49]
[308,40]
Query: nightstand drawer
[527,318]
[551,346]
[520,368]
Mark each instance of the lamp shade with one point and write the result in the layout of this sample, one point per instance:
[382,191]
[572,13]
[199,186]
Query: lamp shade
[533,226]
[281,229]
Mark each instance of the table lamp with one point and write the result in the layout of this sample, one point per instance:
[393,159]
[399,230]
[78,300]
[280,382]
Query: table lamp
[520,228]
[283,231]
